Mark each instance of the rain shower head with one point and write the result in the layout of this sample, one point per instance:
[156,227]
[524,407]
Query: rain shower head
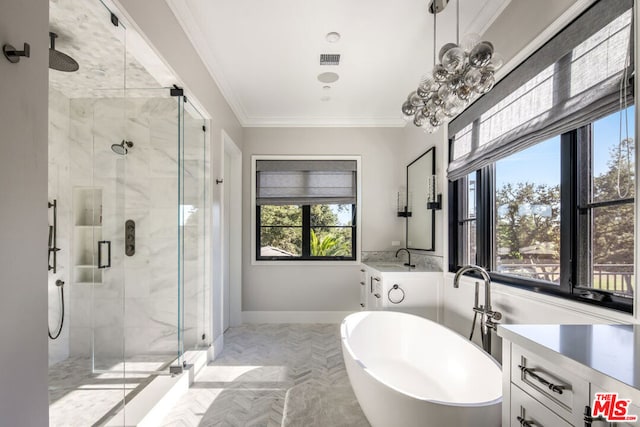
[58,60]
[122,148]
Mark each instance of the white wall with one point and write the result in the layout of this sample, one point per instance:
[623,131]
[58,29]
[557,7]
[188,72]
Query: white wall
[161,29]
[320,288]
[23,217]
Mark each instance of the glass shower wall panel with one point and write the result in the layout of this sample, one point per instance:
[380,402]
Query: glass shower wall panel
[193,225]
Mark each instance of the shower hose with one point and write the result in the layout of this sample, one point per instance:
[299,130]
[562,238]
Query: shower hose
[59,284]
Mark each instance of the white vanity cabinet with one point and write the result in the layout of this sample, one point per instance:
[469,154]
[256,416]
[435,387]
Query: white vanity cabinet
[395,287]
[551,373]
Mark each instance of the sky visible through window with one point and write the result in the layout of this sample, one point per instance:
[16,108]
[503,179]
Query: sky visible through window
[539,163]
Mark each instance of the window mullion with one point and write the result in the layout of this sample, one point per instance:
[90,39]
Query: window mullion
[485,225]
[584,226]
[568,210]
[306,231]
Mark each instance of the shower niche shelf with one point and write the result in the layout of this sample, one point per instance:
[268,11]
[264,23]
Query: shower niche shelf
[87,220]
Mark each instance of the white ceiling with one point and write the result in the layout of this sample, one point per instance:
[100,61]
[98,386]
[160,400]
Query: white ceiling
[264,55]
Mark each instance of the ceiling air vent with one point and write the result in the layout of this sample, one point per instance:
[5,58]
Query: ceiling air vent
[330,59]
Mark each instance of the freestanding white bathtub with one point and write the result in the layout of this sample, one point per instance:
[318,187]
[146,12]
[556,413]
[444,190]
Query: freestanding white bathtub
[410,371]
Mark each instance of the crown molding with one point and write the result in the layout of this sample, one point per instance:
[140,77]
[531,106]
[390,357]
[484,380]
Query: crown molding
[325,122]
[199,41]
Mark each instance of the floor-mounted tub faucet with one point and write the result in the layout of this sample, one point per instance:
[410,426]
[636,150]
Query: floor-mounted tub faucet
[408,263]
[488,316]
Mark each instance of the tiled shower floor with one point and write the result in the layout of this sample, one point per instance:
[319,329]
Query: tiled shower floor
[78,397]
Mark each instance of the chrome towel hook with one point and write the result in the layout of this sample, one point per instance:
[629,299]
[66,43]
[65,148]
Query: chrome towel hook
[14,55]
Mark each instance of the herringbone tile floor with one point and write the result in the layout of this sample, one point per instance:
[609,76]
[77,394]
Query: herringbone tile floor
[273,375]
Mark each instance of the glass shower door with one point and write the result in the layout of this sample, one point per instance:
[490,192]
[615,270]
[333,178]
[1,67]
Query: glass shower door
[151,269]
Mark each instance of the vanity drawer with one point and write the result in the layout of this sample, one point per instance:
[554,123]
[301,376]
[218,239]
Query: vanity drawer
[556,388]
[524,409]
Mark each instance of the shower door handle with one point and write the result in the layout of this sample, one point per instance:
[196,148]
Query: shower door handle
[108,264]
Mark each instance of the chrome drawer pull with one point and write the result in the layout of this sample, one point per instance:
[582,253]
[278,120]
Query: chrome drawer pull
[362,283]
[553,387]
[525,423]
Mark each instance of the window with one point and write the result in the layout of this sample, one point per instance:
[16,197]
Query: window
[606,220]
[527,213]
[467,220]
[571,194]
[549,156]
[306,210]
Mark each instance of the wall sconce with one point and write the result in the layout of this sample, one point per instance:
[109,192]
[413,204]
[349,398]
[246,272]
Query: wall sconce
[434,198]
[403,204]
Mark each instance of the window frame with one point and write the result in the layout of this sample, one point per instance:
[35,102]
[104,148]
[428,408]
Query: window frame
[573,173]
[257,259]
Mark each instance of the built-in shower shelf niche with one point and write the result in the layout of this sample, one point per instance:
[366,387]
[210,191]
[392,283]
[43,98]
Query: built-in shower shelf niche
[87,220]
[87,206]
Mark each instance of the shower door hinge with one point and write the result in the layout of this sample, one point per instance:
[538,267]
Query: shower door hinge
[184,98]
[114,20]
[176,91]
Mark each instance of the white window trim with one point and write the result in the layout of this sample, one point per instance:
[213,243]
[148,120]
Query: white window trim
[358,160]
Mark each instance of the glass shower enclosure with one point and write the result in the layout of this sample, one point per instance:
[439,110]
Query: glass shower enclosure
[128,166]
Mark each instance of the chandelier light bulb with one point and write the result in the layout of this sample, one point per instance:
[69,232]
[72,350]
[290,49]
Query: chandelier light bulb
[480,55]
[453,59]
[444,49]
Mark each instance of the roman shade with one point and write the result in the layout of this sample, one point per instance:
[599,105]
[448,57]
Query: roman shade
[304,182]
[575,78]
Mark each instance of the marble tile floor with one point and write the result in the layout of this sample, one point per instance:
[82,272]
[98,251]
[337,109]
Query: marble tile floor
[78,397]
[273,375]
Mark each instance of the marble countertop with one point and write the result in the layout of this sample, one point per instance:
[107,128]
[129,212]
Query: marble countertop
[613,350]
[398,267]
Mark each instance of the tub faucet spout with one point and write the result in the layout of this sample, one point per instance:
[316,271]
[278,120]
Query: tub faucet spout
[487,315]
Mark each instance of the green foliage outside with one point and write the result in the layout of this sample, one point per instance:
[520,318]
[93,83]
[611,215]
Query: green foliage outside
[325,239]
[613,226]
[329,245]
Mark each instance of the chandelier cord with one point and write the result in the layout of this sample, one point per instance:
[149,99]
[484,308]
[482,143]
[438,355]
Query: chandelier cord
[458,22]
[434,36]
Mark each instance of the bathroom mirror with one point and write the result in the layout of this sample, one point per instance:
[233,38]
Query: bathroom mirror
[420,225]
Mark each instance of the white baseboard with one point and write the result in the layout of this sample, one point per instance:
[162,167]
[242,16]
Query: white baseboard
[216,348]
[294,316]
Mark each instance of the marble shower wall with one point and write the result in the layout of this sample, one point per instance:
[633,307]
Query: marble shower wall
[135,306]
[60,190]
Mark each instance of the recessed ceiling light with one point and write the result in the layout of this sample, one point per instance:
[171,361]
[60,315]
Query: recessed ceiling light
[325,98]
[327,87]
[328,77]
[333,37]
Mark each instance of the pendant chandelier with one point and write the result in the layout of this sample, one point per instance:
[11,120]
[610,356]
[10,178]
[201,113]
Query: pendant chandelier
[465,71]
